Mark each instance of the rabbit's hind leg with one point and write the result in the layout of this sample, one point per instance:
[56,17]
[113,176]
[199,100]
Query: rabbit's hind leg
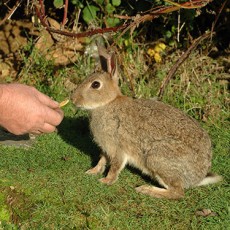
[168,177]
[172,188]
[174,193]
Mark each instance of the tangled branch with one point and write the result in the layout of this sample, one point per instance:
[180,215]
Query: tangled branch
[135,20]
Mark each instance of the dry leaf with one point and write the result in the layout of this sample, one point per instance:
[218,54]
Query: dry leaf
[12,187]
[205,212]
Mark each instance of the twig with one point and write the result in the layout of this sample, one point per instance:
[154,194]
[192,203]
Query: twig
[65,13]
[191,4]
[178,26]
[11,12]
[42,8]
[217,17]
[184,56]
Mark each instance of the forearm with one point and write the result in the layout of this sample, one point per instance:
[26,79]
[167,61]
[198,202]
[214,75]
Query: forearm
[2,104]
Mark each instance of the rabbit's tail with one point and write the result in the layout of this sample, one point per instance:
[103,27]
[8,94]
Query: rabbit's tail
[211,178]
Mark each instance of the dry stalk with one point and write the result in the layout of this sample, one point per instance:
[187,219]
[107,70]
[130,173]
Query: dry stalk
[11,12]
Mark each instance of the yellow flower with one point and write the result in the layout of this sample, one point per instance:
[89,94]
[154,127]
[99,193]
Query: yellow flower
[156,52]
[151,52]
[157,57]
[157,49]
[162,46]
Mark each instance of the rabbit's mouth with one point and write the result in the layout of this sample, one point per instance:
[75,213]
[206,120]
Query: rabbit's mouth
[87,107]
[90,106]
[79,106]
[84,106]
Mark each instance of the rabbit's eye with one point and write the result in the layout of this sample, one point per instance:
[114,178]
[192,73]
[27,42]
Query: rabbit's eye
[95,85]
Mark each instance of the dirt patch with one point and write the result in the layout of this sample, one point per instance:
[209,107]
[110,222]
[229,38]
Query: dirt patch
[16,35]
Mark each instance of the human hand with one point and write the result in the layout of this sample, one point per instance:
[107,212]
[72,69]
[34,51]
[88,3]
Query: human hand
[23,109]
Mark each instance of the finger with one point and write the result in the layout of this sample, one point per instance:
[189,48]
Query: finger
[44,99]
[53,116]
[47,128]
[60,111]
[36,132]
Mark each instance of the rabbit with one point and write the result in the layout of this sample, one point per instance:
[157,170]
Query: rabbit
[158,139]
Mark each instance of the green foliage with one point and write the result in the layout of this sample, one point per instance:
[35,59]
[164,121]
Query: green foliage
[112,21]
[99,11]
[90,13]
[58,3]
[77,4]
[116,2]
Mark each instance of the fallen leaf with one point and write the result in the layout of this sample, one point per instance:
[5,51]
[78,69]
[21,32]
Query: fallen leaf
[205,212]
[12,187]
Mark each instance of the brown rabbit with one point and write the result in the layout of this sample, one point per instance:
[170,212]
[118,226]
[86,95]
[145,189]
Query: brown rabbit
[154,137]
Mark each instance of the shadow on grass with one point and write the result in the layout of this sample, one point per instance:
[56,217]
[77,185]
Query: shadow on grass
[76,132]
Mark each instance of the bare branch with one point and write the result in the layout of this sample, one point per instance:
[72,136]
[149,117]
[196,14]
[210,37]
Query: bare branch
[65,13]
[11,12]
[218,15]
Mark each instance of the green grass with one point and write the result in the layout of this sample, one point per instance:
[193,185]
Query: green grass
[45,186]
[51,190]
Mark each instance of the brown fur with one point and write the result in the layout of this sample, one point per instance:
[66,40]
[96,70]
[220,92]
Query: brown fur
[157,138]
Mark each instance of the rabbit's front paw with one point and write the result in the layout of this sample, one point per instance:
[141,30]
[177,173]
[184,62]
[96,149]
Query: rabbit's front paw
[93,171]
[107,180]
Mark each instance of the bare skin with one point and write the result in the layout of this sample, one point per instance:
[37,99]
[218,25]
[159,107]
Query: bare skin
[23,109]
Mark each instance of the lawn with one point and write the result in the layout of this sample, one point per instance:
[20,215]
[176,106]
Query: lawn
[45,186]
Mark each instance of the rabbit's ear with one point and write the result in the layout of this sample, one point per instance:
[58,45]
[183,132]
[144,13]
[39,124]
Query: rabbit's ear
[113,69]
[108,61]
[104,58]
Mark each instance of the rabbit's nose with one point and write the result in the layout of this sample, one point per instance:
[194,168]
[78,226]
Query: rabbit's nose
[75,98]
